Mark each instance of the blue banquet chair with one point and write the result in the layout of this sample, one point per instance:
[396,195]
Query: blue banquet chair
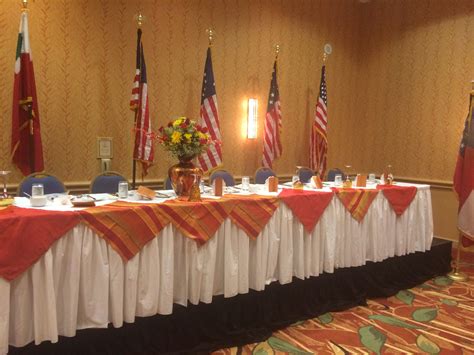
[333,172]
[51,184]
[167,184]
[106,183]
[225,175]
[305,174]
[262,174]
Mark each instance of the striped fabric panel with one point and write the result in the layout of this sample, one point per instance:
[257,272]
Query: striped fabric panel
[197,220]
[127,227]
[252,213]
[356,201]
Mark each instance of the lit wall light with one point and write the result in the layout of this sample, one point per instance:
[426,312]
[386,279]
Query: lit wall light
[252,118]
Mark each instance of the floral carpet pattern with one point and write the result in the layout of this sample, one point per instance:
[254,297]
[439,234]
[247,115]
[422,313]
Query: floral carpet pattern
[436,317]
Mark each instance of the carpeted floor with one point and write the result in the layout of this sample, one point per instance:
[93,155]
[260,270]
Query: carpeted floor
[435,317]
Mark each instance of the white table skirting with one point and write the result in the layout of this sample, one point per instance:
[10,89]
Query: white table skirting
[81,282]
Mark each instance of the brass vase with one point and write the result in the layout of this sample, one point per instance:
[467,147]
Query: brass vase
[183,174]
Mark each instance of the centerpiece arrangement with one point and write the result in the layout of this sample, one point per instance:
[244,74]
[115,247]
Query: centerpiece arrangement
[185,140]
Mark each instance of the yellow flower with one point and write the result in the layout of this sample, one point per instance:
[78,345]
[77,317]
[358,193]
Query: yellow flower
[176,137]
[178,121]
[188,137]
[202,135]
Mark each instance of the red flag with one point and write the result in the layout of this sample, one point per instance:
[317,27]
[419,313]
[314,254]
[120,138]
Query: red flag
[210,118]
[319,140]
[272,147]
[26,148]
[464,179]
[143,149]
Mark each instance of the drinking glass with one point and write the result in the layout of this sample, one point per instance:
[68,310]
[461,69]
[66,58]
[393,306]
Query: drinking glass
[245,183]
[4,174]
[37,190]
[295,178]
[372,178]
[123,189]
[338,180]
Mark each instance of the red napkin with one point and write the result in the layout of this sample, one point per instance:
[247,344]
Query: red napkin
[308,206]
[399,197]
[26,234]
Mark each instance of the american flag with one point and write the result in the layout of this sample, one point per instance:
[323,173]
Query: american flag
[143,150]
[271,141]
[319,140]
[210,118]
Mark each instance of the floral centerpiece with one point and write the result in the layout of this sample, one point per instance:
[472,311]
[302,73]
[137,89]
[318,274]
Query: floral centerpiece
[184,138]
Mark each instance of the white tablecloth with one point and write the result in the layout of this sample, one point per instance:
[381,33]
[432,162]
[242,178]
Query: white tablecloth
[81,282]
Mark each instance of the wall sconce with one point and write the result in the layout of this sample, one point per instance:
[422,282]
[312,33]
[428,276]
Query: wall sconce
[252,118]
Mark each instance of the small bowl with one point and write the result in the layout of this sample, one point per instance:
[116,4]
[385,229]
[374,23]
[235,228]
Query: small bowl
[38,201]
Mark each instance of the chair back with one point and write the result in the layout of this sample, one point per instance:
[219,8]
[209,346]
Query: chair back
[333,172]
[225,175]
[106,183]
[305,174]
[262,174]
[167,184]
[51,184]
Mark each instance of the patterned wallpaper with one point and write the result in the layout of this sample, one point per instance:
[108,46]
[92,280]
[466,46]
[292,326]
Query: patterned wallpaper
[398,78]
[84,59]
[416,63]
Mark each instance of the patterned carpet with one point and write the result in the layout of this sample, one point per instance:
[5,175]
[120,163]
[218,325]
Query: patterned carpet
[435,317]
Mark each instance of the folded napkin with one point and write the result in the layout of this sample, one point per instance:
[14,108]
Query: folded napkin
[399,197]
[356,201]
[307,206]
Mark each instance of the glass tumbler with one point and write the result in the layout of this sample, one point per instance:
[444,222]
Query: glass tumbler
[245,183]
[123,189]
[37,190]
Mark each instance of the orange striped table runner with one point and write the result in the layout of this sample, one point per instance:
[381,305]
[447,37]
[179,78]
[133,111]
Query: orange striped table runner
[196,220]
[356,201]
[129,226]
[252,213]
[126,226]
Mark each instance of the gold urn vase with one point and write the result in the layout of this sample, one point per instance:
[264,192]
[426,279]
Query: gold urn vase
[183,175]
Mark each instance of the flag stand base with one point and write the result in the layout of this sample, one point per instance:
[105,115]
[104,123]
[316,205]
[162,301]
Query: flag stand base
[458,276]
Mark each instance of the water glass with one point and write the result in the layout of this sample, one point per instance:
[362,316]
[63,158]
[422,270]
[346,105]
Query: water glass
[245,183]
[123,189]
[372,178]
[295,178]
[37,190]
[338,180]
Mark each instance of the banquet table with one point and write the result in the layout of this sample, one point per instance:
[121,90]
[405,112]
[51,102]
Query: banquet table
[83,280]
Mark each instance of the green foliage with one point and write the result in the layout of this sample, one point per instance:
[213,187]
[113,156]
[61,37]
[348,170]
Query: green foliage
[393,321]
[372,338]
[427,345]
[325,318]
[405,296]
[425,314]
[284,346]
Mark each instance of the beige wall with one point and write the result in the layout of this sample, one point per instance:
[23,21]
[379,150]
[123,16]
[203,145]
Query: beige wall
[84,52]
[398,79]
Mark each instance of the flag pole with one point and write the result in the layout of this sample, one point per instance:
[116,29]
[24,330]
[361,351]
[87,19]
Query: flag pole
[211,35]
[140,19]
[29,108]
[456,275]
